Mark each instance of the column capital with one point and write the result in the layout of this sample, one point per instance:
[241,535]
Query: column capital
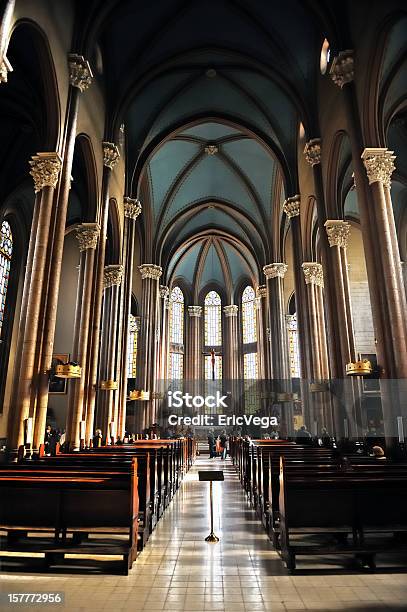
[261,291]
[342,69]
[312,151]
[338,232]
[291,206]
[113,275]
[80,73]
[275,270]
[5,68]
[150,271]
[87,235]
[164,292]
[231,310]
[195,311]
[110,154]
[132,208]
[379,164]
[313,273]
[45,169]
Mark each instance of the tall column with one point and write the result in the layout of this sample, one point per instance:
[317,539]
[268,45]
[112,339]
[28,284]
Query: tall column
[80,78]
[292,210]
[312,152]
[45,168]
[132,209]
[280,362]
[87,235]
[6,19]
[280,367]
[150,275]
[108,385]
[379,164]
[110,158]
[232,334]
[338,233]
[262,337]
[164,331]
[194,349]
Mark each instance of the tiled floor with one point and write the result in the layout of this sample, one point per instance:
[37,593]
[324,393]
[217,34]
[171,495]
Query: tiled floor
[178,570]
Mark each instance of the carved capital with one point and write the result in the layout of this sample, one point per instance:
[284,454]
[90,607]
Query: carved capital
[113,275]
[45,169]
[80,73]
[87,235]
[150,271]
[291,206]
[164,292]
[313,273]
[195,311]
[231,310]
[132,208]
[5,68]
[342,70]
[312,151]
[275,270]
[338,232]
[261,291]
[110,154]
[379,164]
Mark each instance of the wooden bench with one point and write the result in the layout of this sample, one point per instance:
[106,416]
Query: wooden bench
[59,512]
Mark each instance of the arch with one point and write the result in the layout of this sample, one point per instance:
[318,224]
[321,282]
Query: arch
[113,254]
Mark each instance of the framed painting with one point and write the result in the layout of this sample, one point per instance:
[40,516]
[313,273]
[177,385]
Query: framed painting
[58,386]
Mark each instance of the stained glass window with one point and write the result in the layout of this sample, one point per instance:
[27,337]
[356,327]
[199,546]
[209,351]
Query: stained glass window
[132,347]
[250,366]
[293,345]
[176,334]
[249,316]
[176,366]
[6,251]
[177,316]
[213,319]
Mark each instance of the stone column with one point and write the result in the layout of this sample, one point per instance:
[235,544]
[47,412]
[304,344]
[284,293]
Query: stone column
[165,331]
[108,385]
[87,235]
[150,275]
[280,362]
[80,78]
[132,209]
[292,210]
[110,159]
[231,360]
[379,164]
[45,168]
[194,348]
[262,337]
[312,154]
[6,19]
[338,233]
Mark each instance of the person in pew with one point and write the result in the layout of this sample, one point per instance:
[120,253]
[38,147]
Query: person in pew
[303,433]
[97,438]
[378,453]
[326,440]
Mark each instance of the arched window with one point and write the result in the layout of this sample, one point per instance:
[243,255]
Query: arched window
[293,345]
[176,334]
[249,315]
[132,347]
[6,252]
[213,336]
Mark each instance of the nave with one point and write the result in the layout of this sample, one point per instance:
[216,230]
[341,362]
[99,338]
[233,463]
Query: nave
[179,571]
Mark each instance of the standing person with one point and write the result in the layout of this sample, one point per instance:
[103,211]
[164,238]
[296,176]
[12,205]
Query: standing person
[211,442]
[223,439]
[97,438]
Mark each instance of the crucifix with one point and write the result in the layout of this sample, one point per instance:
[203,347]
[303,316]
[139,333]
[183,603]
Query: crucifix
[212,353]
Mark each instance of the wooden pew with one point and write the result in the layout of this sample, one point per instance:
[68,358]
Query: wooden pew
[342,508]
[62,505]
